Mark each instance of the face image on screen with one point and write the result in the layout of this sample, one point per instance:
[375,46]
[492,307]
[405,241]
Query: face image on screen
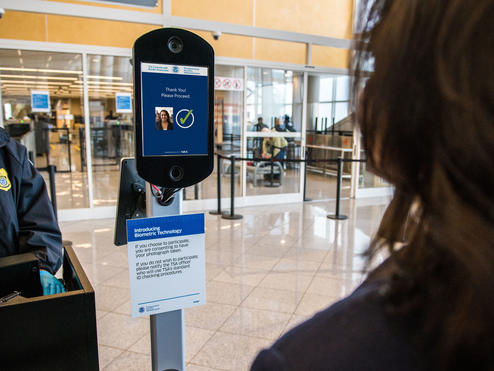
[174,105]
[164,118]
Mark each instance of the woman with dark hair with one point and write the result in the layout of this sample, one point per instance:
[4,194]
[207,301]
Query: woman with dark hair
[426,113]
[164,121]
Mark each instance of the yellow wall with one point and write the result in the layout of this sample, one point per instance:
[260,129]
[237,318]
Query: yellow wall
[325,56]
[330,18]
[279,51]
[230,11]
[94,31]
[23,26]
[229,45]
[72,30]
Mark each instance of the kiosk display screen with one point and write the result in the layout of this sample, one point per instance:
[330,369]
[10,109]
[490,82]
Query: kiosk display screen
[174,101]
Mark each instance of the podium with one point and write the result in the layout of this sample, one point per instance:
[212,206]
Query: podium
[55,332]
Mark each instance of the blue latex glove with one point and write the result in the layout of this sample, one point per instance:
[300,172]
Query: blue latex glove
[50,284]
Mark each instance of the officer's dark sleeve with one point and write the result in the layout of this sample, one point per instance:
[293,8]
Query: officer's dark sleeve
[38,228]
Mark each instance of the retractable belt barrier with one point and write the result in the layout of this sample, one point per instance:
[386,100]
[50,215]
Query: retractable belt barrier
[231,215]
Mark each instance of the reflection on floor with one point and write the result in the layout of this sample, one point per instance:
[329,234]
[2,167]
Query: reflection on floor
[265,273]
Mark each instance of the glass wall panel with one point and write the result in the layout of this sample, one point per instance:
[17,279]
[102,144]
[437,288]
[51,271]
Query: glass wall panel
[228,120]
[329,134]
[111,126]
[52,135]
[274,120]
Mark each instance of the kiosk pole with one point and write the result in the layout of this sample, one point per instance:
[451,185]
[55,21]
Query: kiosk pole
[167,329]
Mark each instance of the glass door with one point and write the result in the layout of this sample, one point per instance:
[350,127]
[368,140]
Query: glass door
[111,119]
[51,134]
[273,130]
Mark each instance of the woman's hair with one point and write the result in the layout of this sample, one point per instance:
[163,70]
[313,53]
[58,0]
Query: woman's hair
[427,118]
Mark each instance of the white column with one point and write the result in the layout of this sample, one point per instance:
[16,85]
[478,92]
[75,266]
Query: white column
[355,165]
[303,134]
[243,150]
[87,131]
[308,54]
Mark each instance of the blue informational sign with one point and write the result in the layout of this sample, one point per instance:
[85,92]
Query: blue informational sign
[167,263]
[123,103]
[40,101]
[174,110]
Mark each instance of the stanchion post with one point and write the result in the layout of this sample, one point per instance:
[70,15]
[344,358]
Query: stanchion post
[81,147]
[218,186]
[305,176]
[196,191]
[232,192]
[48,148]
[68,149]
[337,215]
[53,193]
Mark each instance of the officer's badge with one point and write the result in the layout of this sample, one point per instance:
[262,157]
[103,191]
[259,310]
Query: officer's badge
[4,180]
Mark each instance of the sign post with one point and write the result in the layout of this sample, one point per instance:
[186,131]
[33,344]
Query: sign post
[167,328]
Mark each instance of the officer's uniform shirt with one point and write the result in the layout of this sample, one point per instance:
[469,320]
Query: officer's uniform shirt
[27,219]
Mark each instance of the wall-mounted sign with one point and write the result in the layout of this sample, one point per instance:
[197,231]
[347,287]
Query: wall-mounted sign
[40,101]
[167,264]
[123,103]
[228,83]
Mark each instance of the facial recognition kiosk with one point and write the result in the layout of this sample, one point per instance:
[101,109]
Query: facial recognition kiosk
[173,101]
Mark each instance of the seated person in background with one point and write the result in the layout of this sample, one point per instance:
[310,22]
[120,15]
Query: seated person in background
[426,115]
[288,124]
[273,147]
[28,222]
[278,126]
[260,125]
[257,142]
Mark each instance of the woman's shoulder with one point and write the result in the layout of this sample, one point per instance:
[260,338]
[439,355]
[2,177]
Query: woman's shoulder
[353,334]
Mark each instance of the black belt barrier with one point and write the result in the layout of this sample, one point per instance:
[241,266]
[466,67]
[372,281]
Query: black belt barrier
[232,158]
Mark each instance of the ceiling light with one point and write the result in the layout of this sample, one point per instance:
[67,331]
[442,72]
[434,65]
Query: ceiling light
[106,83]
[38,70]
[105,77]
[5,82]
[39,77]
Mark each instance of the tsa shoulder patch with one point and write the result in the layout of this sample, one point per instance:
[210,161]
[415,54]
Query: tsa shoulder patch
[4,180]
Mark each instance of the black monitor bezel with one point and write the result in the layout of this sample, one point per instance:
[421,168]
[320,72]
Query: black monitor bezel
[153,48]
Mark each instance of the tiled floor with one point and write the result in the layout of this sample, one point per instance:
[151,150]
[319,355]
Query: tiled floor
[265,273]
